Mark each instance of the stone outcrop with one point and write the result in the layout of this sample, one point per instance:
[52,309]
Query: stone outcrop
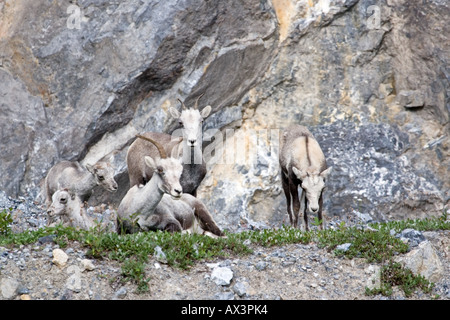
[369,78]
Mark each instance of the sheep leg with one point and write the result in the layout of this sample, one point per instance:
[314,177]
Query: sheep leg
[295,203]
[320,212]
[287,193]
[173,226]
[305,208]
[206,220]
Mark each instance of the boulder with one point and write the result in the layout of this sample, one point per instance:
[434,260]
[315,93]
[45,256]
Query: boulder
[78,81]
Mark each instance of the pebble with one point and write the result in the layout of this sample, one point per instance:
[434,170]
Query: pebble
[222,276]
[121,293]
[59,258]
[87,265]
[240,288]
[9,288]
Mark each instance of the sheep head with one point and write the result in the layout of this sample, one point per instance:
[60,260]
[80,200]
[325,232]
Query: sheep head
[191,121]
[103,173]
[313,183]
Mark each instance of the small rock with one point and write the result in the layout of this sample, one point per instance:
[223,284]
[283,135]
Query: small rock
[344,247]
[47,239]
[240,288]
[222,276]
[87,264]
[160,255]
[60,258]
[224,296]
[121,293]
[261,265]
[9,288]
[25,297]
[411,236]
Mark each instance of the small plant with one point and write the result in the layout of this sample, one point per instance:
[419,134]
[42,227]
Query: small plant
[394,274]
[5,221]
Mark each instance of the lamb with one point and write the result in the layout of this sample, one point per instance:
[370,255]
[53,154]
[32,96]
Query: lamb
[161,205]
[68,208]
[79,179]
[194,166]
[302,164]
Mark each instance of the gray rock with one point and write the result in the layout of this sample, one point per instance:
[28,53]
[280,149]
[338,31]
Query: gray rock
[261,265]
[425,261]
[9,288]
[222,276]
[240,288]
[121,293]
[227,295]
[411,236]
[89,86]
[344,247]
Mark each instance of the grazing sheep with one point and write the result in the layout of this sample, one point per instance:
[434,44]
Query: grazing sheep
[161,205]
[194,166]
[80,180]
[302,164]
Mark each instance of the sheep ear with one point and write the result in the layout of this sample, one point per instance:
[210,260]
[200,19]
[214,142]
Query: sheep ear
[72,195]
[174,112]
[150,162]
[176,150]
[110,158]
[299,173]
[206,111]
[90,168]
[324,174]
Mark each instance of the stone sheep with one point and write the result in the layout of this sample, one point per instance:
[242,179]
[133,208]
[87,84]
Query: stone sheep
[69,210]
[302,164]
[161,205]
[194,166]
[79,179]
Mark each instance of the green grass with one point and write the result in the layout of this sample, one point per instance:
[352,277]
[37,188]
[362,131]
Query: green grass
[183,250]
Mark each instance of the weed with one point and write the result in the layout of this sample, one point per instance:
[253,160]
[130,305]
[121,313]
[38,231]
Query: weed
[5,220]
[394,274]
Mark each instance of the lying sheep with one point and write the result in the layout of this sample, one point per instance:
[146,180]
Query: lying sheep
[160,204]
[69,210]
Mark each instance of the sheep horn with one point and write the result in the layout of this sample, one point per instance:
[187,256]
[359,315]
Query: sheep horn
[196,102]
[161,150]
[182,104]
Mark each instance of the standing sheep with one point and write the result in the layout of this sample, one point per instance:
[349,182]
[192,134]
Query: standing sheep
[302,164]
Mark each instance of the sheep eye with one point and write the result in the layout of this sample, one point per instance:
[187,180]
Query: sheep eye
[63,200]
[180,122]
[101,178]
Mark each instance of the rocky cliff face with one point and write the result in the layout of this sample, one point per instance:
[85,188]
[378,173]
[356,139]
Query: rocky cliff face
[371,80]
